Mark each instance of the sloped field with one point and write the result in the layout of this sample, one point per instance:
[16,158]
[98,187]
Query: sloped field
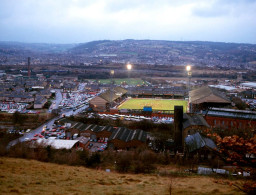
[18,176]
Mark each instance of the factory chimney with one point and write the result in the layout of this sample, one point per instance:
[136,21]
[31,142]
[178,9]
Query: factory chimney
[178,120]
[29,71]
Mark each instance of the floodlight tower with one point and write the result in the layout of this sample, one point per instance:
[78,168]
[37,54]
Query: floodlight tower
[189,74]
[112,72]
[129,68]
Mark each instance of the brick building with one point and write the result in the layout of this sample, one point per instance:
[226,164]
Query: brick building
[231,118]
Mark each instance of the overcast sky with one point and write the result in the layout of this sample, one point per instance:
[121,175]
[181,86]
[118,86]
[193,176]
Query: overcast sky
[75,21]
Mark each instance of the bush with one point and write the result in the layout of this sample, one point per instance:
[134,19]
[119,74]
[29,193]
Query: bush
[123,162]
[94,160]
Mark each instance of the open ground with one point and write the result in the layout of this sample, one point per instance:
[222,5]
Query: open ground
[19,176]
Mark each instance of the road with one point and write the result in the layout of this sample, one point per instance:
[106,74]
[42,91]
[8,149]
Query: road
[58,99]
[49,124]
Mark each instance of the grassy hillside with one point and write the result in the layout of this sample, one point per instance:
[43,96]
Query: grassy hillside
[33,177]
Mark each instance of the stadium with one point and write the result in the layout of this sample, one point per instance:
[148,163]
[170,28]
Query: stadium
[154,105]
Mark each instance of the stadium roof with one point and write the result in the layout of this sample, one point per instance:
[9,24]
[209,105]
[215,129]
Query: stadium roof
[111,95]
[207,95]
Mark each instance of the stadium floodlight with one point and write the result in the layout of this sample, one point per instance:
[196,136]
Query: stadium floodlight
[112,72]
[129,66]
[188,68]
[189,74]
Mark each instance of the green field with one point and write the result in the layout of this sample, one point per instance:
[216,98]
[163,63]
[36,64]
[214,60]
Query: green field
[131,81]
[156,104]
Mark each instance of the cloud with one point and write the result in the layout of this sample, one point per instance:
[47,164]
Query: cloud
[84,20]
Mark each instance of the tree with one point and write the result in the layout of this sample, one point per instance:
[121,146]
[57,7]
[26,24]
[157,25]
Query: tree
[241,152]
[94,160]
[17,118]
[239,103]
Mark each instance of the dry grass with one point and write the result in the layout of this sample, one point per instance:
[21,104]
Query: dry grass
[18,176]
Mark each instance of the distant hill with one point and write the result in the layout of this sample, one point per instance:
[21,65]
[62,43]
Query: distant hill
[159,50]
[90,46]
[20,47]
[153,52]
[19,176]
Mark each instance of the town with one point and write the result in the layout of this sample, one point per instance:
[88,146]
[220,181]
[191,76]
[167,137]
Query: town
[107,105]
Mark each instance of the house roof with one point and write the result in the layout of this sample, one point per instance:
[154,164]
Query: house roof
[207,94]
[197,141]
[40,100]
[83,140]
[192,120]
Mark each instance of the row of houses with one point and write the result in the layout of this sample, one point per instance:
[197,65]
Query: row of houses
[16,97]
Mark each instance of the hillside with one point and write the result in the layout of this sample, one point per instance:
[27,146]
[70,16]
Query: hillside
[153,52]
[33,177]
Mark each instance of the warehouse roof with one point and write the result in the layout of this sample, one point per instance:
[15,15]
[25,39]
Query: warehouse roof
[58,143]
[243,114]
[127,135]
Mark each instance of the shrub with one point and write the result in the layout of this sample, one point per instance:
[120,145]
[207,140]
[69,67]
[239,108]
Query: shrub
[123,162]
[94,160]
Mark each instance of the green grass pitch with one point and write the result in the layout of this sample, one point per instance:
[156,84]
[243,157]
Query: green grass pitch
[156,104]
[130,81]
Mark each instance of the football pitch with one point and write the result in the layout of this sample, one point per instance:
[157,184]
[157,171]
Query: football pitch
[131,81]
[156,104]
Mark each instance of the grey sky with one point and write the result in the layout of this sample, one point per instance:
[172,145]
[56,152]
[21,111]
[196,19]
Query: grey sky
[73,21]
